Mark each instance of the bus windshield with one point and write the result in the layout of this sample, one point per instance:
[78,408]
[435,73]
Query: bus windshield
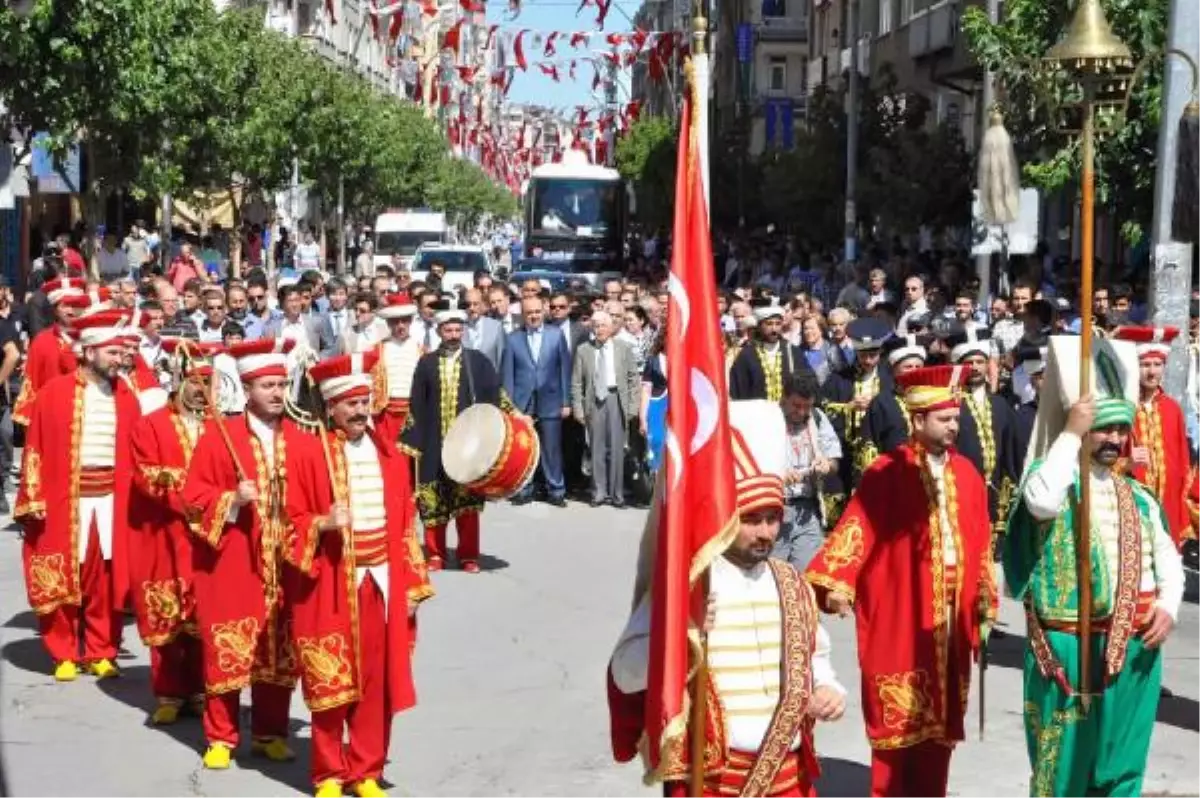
[573,208]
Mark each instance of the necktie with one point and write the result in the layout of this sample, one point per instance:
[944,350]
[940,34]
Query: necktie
[428,335]
[335,319]
[535,345]
[601,374]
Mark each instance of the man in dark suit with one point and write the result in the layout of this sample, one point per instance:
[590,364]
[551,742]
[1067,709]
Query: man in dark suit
[483,334]
[575,331]
[535,371]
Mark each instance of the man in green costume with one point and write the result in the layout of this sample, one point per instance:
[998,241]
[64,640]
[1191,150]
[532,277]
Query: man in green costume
[1137,585]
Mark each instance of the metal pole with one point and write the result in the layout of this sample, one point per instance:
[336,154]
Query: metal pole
[983,263]
[851,254]
[1170,279]
[341,217]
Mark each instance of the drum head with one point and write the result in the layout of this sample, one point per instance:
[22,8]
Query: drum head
[473,443]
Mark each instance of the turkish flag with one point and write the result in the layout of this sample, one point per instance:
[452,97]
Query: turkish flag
[699,512]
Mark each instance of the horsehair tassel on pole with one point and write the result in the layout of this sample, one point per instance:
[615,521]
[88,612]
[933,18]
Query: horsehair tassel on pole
[1185,207]
[1083,530]
[998,178]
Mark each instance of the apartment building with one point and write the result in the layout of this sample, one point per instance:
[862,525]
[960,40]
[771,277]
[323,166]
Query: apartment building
[340,31]
[919,41]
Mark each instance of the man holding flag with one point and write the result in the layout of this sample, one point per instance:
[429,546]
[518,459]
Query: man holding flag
[697,520]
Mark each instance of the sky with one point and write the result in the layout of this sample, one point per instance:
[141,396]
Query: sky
[532,86]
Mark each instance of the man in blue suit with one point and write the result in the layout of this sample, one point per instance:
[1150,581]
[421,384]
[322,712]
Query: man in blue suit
[535,370]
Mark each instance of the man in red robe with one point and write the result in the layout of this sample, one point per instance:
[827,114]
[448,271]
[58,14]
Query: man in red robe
[398,356]
[50,353]
[911,556]
[361,577]
[769,664]
[161,558]
[1159,451]
[73,502]
[234,501]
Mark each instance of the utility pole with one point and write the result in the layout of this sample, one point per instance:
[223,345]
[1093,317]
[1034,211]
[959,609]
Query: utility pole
[983,263]
[1171,277]
[851,254]
[341,220]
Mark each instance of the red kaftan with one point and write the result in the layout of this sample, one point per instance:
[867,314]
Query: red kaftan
[915,637]
[240,613]
[47,503]
[49,356]
[161,559]
[323,594]
[1161,429]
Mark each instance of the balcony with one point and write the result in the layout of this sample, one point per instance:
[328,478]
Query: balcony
[783,29]
[933,31]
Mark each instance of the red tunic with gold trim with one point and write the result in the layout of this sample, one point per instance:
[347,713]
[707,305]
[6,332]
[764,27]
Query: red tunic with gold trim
[161,559]
[324,593]
[918,619]
[240,613]
[49,356]
[1159,427]
[47,504]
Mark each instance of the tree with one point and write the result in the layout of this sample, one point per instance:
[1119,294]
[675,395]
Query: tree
[645,155]
[467,194]
[1029,89]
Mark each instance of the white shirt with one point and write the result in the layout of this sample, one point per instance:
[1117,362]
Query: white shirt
[1045,495]
[367,512]
[744,651]
[308,256]
[607,380]
[338,321]
[265,433]
[99,440]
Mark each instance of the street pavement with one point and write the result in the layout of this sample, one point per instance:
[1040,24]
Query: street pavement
[510,672]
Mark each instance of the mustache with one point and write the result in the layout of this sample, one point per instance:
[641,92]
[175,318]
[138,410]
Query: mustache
[1108,448]
[358,419]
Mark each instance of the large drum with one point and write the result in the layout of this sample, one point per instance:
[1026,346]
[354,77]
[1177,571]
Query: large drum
[490,452]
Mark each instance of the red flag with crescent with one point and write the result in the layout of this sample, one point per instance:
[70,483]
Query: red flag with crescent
[699,513]
[519,50]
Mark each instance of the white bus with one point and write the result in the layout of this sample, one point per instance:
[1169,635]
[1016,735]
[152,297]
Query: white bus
[576,215]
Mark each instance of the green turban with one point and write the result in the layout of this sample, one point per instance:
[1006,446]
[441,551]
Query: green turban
[1111,410]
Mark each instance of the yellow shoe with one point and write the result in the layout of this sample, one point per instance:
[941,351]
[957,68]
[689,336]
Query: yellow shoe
[330,788]
[217,757]
[103,669]
[274,749]
[166,713]
[66,671]
[369,788]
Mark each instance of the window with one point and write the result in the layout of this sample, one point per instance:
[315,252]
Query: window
[777,74]
[774,8]
[885,17]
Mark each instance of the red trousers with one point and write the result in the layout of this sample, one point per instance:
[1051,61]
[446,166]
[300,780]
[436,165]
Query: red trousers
[100,621]
[177,668]
[269,705]
[368,720]
[467,525]
[921,769]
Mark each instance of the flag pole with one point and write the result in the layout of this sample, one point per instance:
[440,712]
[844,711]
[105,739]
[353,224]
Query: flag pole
[697,726]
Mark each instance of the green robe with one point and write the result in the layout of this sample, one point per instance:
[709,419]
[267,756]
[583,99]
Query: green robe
[1103,752]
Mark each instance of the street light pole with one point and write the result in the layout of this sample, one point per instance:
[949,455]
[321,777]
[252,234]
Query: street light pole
[851,253]
[1171,275]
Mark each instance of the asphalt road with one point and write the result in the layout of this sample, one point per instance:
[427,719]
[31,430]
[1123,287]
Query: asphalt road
[510,677]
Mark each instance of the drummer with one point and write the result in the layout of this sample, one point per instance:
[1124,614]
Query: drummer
[446,382]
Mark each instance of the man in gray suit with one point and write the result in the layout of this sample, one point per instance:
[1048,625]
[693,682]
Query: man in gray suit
[605,392]
[483,334]
[293,323]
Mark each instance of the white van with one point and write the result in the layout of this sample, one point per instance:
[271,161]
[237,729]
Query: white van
[402,232]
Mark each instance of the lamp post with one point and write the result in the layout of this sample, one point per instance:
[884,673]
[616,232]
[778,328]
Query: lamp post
[1101,67]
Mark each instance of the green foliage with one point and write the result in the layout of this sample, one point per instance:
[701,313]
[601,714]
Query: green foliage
[168,96]
[1030,91]
[462,189]
[910,173]
[646,155]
